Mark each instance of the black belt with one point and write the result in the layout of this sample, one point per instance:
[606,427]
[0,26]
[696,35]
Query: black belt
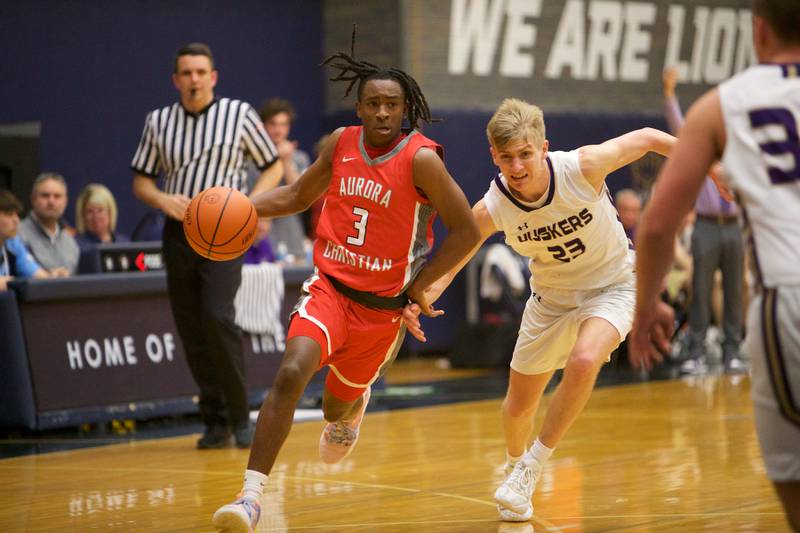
[369,299]
[719,219]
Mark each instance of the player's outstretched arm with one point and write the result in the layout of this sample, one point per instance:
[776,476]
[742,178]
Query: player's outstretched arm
[431,176]
[599,160]
[673,196]
[412,311]
[298,196]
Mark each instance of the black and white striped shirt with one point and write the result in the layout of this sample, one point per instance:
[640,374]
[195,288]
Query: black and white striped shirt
[207,149]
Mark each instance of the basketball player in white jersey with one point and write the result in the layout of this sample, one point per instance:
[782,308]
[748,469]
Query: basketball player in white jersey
[751,123]
[554,207]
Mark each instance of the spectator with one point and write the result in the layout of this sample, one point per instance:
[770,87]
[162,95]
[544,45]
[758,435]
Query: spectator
[44,231]
[277,116]
[629,207]
[15,260]
[717,243]
[201,291]
[96,217]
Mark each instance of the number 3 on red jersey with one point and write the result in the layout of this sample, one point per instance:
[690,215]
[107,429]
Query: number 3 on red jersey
[360,226]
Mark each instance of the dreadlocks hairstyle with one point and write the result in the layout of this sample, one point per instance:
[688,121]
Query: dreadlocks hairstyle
[353,70]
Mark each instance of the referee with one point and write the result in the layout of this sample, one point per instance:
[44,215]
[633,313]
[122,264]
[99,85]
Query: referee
[197,143]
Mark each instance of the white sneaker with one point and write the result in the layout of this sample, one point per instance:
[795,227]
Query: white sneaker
[339,438]
[694,367]
[507,515]
[736,365]
[240,516]
[515,493]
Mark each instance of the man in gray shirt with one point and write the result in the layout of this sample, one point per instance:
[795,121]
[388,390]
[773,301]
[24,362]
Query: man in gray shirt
[43,231]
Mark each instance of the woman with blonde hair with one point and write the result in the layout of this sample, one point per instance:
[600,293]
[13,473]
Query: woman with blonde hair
[96,217]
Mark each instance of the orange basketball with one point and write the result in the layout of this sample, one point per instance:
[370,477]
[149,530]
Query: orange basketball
[220,223]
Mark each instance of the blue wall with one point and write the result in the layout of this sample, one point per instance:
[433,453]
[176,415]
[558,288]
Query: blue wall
[89,71]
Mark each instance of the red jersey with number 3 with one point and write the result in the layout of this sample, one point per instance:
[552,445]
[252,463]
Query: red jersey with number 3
[376,226]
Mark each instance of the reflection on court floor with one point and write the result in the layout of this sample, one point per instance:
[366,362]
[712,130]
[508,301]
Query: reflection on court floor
[646,456]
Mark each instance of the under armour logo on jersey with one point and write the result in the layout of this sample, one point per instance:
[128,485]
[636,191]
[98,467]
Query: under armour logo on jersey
[345,159]
[524,226]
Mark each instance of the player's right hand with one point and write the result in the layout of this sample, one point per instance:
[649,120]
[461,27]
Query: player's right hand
[649,340]
[174,205]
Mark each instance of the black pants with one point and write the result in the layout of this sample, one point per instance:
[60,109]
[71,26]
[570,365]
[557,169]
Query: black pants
[201,294]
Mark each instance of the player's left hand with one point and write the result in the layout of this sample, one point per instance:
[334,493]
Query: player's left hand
[411,314]
[650,337]
[424,297]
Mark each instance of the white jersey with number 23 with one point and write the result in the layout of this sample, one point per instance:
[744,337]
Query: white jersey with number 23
[574,239]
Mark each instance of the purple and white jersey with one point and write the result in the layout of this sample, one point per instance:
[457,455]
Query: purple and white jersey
[572,236]
[761,110]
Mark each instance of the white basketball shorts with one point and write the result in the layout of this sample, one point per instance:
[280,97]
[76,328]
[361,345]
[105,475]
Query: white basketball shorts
[773,346]
[552,317]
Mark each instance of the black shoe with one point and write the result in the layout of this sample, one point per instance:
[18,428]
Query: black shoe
[243,435]
[214,437]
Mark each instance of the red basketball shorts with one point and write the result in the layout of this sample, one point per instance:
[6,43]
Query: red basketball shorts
[357,343]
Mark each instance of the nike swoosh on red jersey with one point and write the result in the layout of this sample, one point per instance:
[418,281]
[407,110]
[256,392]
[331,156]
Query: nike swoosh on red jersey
[346,159]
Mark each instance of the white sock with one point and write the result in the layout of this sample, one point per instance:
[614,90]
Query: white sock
[254,482]
[539,453]
[513,460]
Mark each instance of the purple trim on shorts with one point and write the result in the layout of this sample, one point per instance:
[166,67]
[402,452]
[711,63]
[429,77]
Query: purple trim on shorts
[776,362]
[790,70]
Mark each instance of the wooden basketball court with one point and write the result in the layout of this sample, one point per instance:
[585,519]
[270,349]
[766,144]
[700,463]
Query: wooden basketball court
[675,455]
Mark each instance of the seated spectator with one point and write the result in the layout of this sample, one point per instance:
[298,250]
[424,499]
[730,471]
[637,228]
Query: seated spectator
[629,207]
[287,232]
[43,230]
[261,251]
[15,260]
[96,217]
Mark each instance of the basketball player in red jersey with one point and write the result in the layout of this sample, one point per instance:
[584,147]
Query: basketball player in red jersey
[383,188]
